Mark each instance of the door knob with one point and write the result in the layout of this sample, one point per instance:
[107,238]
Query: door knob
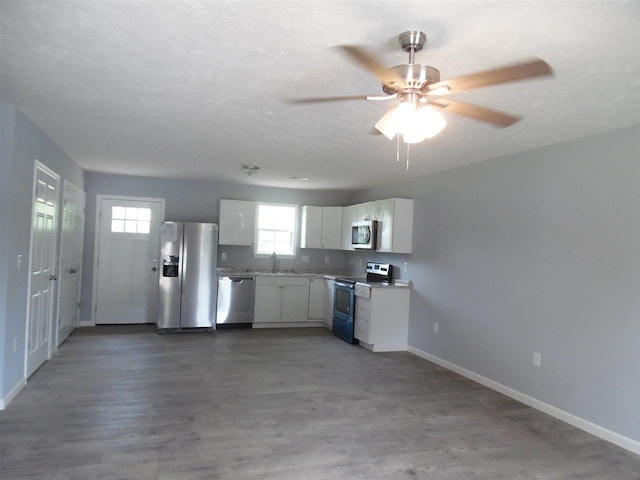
[154,269]
[73,270]
[53,277]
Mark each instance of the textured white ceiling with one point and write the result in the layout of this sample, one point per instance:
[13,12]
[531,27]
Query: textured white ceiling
[196,89]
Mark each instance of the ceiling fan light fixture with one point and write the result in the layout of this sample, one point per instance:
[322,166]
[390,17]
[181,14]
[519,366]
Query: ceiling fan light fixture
[430,121]
[388,125]
[414,123]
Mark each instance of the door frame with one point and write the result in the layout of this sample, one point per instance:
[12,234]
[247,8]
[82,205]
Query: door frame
[38,165]
[69,189]
[96,240]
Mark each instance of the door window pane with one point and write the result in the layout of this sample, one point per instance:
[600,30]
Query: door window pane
[117,226]
[130,220]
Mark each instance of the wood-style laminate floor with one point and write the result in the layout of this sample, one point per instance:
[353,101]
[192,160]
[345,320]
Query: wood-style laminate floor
[122,402]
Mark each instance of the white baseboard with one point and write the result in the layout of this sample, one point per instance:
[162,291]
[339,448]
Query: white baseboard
[4,402]
[87,323]
[377,348]
[608,435]
[316,324]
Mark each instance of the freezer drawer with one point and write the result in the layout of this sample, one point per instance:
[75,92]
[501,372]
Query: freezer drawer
[236,297]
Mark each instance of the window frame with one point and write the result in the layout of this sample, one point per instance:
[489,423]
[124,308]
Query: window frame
[296,228]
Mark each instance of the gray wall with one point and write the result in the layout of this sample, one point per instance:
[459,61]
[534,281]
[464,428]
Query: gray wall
[7,123]
[22,143]
[538,251]
[193,200]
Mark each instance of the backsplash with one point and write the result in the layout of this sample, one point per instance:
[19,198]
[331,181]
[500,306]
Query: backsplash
[242,257]
[339,261]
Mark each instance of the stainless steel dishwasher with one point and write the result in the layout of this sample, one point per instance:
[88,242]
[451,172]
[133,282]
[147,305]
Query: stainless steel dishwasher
[236,298]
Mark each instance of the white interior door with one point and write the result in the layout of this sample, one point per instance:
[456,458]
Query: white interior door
[70,270]
[127,263]
[42,262]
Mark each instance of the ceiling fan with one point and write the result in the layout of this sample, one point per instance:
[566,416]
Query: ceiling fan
[422,93]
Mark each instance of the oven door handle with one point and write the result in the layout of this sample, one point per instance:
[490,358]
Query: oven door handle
[342,284]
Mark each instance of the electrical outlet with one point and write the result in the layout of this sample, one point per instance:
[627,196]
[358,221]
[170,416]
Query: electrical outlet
[405,267]
[305,258]
[223,256]
[15,344]
[436,327]
[537,358]
[19,263]
[326,259]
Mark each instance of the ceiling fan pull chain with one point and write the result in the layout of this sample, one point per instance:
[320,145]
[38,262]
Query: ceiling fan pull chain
[407,157]
[398,148]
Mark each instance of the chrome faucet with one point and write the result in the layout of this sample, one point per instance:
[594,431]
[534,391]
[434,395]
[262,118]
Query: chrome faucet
[274,266]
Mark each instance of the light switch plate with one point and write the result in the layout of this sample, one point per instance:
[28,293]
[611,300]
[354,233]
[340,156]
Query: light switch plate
[537,358]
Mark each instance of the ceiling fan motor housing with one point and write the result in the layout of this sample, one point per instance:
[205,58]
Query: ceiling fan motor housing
[415,78]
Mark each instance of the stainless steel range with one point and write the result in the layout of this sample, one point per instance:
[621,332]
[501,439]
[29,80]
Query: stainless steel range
[344,297]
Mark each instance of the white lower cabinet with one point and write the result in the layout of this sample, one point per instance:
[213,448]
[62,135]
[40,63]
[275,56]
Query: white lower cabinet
[382,318]
[281,300]
[317,288]
[328,303]
[295,303]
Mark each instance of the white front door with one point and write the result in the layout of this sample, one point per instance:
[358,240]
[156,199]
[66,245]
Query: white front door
[42,262]
[70,271]
[127,263]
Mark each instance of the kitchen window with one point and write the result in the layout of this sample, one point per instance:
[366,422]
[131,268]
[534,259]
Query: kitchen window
[276,229]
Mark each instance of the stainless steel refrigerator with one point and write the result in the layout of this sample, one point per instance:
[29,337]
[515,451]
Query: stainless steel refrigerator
[188,282]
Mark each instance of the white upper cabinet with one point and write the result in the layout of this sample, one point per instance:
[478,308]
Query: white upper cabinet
[311,227]
[237,222]
[395,225]
[331,227]
[321,227]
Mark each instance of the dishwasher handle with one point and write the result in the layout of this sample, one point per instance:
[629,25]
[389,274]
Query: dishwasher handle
[238,279]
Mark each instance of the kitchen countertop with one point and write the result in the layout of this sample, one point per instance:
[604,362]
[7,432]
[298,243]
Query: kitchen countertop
[280,273]
[403,284]
[294,273]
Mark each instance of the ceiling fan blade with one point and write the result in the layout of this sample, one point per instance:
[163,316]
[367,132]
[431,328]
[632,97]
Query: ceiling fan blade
[499,119]
[368,61]
[521,71]
[326,99]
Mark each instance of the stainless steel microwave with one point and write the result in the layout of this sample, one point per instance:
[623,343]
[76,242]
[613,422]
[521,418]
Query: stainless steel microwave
[364,234]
